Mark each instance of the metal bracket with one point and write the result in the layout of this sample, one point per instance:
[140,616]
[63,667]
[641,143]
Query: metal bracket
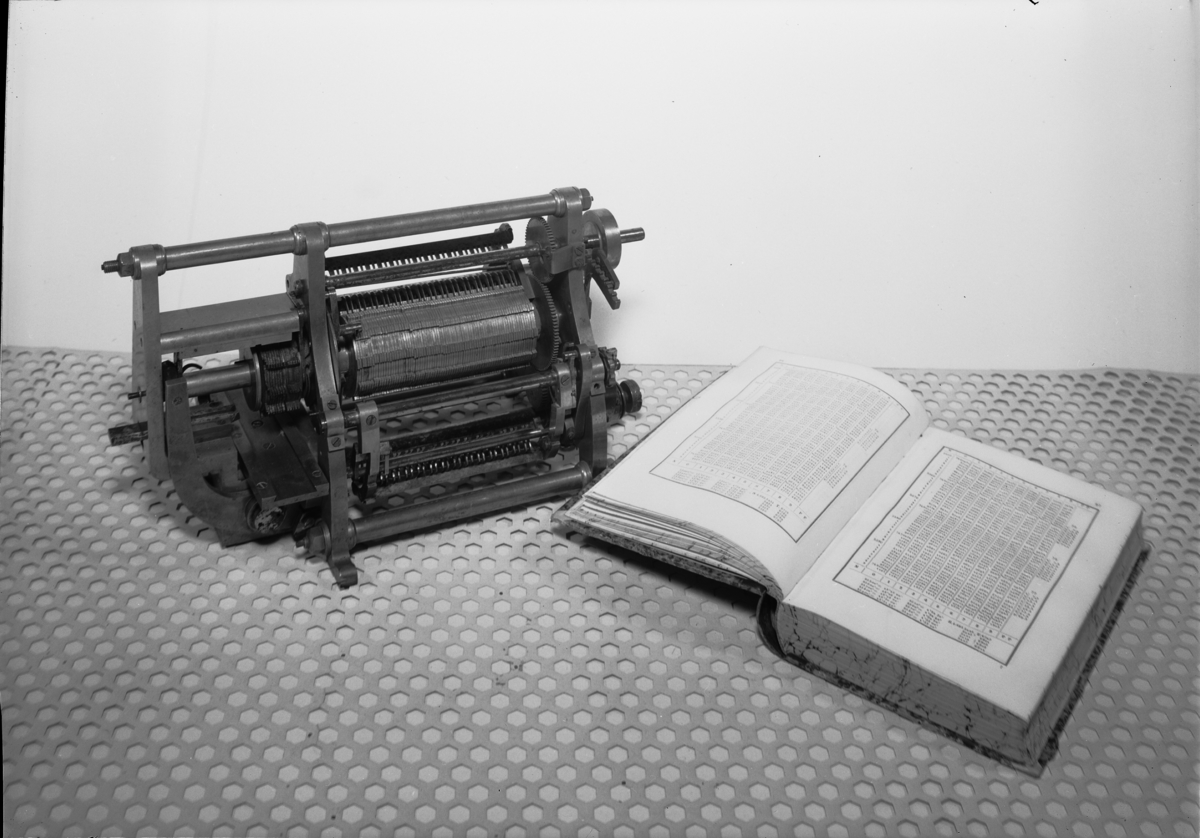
[147,356]
[368,443]
[226,514]
[308,267]
[570,293]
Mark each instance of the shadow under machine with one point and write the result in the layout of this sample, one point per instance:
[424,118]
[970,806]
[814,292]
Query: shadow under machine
[383,373]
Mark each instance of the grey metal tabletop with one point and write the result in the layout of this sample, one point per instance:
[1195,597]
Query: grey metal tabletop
[506,677]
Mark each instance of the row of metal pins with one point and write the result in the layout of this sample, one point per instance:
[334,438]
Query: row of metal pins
[364,302]
[396,263]
[457,461]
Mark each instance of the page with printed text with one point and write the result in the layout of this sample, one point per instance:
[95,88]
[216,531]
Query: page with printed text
[774,457]
[974,564]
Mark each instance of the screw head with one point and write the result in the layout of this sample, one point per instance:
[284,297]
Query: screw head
[332,404]
[263,485]
[336,442]
[371,420]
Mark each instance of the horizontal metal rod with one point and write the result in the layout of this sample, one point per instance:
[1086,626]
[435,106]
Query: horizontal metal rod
[220,379]
[214,252]
[397,273]
[425,402]
[518,414]
[455,507]
[351,232]
[433,221]
[238,331]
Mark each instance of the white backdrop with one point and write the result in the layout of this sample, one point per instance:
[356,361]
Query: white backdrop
[946,184]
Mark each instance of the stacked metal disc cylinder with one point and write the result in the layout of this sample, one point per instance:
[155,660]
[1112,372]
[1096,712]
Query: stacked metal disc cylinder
[434,330]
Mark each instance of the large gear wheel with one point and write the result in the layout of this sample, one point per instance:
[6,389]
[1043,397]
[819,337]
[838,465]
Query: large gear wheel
[538,232]
[549,344]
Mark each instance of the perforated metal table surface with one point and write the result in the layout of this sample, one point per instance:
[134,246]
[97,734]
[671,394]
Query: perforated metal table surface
[504,677]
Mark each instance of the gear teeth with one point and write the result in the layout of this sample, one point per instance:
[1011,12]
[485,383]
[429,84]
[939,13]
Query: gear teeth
[554,324]
[538,232]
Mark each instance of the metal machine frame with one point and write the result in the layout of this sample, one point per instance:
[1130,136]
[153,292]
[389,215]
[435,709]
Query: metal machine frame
[279,440]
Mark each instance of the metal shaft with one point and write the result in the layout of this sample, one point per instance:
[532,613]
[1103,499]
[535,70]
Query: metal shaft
[248,330]
[451,263]
[218,380]
[446,398]
[453,218]
[351,232]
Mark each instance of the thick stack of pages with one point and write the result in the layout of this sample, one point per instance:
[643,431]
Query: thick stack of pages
[958,584]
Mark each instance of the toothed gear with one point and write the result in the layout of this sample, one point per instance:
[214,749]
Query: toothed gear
[550,341]
[538,232]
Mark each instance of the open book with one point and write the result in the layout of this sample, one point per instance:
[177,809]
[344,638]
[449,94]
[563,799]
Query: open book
[959,584]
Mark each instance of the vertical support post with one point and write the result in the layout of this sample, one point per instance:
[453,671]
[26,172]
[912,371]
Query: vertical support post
[308,268]
[147,356]
[571,294]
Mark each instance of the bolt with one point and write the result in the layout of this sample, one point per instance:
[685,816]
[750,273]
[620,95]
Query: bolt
[371,421]
[263,485]
[316,472]
[177,400]
[336,442]
[257,423]
[332,404]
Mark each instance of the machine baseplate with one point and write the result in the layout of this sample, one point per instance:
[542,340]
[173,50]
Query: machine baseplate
[503,677]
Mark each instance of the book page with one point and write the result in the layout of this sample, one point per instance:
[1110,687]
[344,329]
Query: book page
[787,443]
[973,563]
[1022,535]
[774,457]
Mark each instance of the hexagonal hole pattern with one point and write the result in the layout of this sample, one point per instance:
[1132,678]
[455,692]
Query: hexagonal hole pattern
[507,677]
